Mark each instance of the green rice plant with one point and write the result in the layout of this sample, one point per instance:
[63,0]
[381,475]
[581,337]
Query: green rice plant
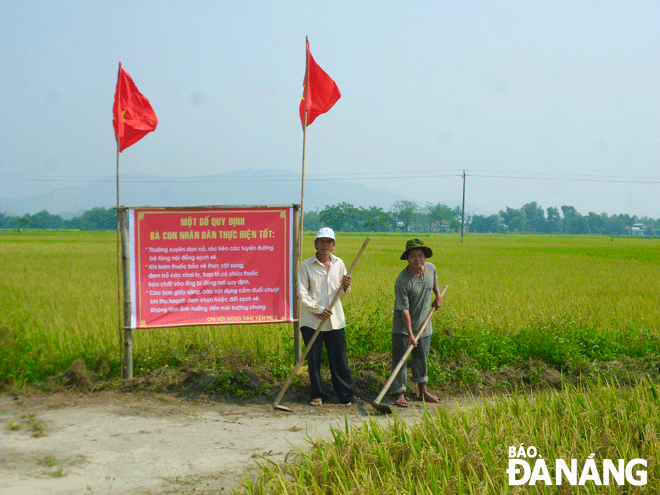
[566,301]
[58,301]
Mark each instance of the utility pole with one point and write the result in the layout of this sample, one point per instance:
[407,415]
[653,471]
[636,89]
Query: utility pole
[463,215]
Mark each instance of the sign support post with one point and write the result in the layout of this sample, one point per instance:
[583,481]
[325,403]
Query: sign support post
[127,371]
[297,250]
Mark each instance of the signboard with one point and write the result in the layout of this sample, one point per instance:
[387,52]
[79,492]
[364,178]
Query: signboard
[210,266]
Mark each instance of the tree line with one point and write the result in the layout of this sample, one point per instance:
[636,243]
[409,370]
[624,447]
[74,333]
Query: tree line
[94,219]
[402,216]
[408,216]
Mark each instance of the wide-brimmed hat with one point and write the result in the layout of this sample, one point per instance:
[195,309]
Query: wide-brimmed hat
[416,244]
[326,232]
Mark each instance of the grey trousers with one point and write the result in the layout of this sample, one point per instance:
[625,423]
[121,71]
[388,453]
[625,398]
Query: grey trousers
[419,355]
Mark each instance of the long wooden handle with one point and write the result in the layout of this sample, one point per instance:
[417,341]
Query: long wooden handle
[318,329]
[401,362]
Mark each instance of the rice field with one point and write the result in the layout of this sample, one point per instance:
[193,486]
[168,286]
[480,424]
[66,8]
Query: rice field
[568,303]
[513,282]
[562,300]
[600,439]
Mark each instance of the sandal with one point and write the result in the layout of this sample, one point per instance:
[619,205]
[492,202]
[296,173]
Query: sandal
[316,402]
[401,402]
[355,399]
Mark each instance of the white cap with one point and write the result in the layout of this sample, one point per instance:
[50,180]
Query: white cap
[325,232]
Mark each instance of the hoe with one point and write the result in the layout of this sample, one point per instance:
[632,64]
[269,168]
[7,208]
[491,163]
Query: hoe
[277,404]
[385,409]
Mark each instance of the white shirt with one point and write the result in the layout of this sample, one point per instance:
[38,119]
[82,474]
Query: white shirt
[316,289]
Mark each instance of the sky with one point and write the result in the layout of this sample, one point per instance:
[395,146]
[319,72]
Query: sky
[556,102]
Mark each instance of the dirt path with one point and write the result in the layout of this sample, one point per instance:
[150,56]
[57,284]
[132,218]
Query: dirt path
[136,443]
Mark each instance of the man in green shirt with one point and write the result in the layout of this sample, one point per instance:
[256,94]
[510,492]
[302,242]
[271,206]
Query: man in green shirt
[414,289]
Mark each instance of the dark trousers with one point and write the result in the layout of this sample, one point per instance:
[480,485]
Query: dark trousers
[335,344]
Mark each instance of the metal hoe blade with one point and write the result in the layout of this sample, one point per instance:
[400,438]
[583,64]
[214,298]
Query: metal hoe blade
[381,408]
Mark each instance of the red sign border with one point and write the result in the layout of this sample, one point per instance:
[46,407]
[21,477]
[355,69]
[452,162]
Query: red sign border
[286,213]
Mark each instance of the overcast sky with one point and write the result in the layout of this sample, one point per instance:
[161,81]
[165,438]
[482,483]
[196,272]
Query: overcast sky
[548,101]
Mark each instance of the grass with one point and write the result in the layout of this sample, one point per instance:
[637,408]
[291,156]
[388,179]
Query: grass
[13,425]
[36,426]
[566,302]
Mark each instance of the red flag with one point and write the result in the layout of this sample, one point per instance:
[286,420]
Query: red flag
[132,115]
[320,94]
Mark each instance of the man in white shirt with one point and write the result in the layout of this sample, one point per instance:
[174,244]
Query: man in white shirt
[319,278]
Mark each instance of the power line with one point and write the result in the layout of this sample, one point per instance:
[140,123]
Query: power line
[350,176]
[527,172]
[223,179]
[567,179]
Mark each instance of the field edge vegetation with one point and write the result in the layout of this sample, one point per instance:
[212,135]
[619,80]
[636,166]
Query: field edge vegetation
[522,311]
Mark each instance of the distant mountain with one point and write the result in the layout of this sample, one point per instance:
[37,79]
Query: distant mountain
[245,187]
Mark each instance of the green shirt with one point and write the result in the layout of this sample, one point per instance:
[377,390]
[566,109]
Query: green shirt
[414,293]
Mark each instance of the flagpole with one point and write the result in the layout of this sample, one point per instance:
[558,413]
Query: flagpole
[298,346]
[302,190]
[119,269]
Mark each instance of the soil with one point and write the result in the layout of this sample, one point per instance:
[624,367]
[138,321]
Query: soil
[123,441]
